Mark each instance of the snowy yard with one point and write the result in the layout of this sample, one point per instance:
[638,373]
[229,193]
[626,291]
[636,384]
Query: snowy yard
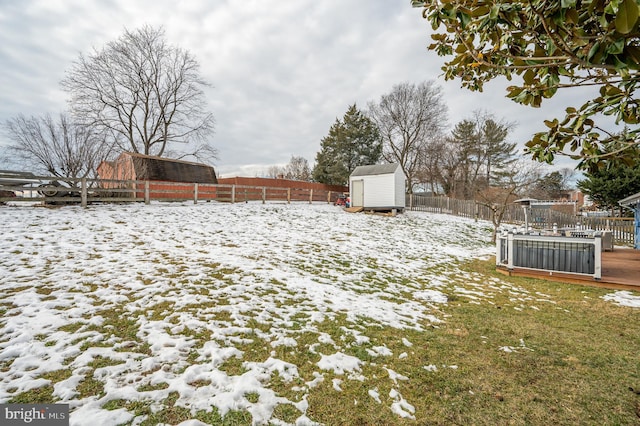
[120,310]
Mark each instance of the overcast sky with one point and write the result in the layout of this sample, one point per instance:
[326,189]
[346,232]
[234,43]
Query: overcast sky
[281,71]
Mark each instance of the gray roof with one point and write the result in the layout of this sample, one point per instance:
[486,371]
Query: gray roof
[375,169]
[157,168]
[630,200]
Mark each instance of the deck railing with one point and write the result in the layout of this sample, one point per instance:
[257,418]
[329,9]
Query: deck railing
[622,228]
[574,255]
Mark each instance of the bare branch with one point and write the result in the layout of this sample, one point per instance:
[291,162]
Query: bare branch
[61,148]
[409,118]
[143,92]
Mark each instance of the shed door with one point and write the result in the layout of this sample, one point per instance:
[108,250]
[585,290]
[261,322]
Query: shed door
[357,198]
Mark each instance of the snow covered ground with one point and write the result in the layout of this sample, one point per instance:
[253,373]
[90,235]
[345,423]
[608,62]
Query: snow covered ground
[168,294]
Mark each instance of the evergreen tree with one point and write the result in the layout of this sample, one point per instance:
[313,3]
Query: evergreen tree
[499,154]
[614,180]
[551,186]
[608,185]
[465,148]
[351,142]
[478,156]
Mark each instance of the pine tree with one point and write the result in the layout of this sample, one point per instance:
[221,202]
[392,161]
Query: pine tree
[550,186]
[465,144]
[478,157]
[499,154]
[614,180]
[608,185]
[351,142]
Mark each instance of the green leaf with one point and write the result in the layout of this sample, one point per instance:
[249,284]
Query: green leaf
[551,124]
[610,91]
[627,16]
[634,54]
[494,12]
[529,76]
[612,7]
[593,50]
[572,16]
[465,19]
[480,11]
[616,48]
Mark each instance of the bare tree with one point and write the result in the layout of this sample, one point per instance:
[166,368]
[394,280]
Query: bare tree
[477,154]
[146,94]
[429,175]
[298,169]
[61,148]
[409,119]
[5,156]
[275,172]
[520,178]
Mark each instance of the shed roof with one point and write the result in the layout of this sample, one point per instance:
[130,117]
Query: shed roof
[149,167]
[375,169]
[630,200]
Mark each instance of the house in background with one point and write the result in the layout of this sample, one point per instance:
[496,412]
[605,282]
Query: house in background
[378,187]
[633,203]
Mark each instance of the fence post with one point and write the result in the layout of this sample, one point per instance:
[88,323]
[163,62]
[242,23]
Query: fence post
[264,194]
[510,251]
[498,250]
[233,194]
[597,241]
[288,195]
[195,193]
[311,196]
[147,199]
[329,197]
[83,193]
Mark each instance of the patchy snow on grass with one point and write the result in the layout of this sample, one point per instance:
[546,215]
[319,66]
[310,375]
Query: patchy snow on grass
[623,298]
[519,348]
[148,304]
[340,363]
[375,394]
[400,406]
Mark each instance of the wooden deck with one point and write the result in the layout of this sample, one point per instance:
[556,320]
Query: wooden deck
[620,271]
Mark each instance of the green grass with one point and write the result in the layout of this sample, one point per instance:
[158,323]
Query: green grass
[579,364]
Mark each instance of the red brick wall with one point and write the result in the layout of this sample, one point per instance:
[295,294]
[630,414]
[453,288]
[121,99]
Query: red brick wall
[246,189]
[282,183]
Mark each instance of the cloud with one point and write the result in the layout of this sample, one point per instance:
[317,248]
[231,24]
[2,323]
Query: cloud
[281,72]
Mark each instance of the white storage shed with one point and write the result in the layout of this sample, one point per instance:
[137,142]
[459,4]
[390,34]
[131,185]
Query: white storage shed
[378,187]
